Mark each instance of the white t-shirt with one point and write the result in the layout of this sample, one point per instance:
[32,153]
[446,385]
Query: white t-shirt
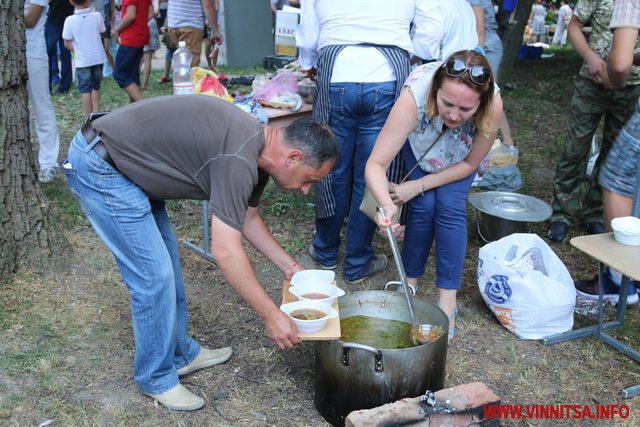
[83,28]
[459,25]
[339,22]
[36,44]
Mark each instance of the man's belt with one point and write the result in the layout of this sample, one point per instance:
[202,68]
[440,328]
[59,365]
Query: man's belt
[90,135]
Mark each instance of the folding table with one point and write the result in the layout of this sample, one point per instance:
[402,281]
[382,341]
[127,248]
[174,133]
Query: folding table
[624,258]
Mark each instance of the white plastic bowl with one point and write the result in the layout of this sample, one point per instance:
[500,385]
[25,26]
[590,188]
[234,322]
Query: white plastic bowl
[306,291]
[312,277]
[309,326]
[626,230]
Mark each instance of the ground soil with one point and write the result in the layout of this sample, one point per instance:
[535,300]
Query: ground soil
[80,321]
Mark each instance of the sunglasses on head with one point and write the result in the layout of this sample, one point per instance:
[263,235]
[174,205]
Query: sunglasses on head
[456,67]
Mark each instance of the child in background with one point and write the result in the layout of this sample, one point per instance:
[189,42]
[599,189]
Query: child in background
[133,34]
[154,44]
[82,34]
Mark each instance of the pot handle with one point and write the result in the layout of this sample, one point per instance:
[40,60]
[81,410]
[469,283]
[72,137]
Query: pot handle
[480,232]
[347,346]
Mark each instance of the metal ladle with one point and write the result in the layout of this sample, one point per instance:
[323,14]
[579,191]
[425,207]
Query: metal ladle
[419,331]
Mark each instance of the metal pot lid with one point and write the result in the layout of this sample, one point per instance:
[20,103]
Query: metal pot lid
[511,206]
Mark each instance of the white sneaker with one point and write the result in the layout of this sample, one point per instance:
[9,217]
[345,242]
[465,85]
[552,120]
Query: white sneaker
[178,399]
[205,359]
[47,175]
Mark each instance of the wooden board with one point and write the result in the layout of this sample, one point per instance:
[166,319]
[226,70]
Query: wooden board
[606,249]
[330,332]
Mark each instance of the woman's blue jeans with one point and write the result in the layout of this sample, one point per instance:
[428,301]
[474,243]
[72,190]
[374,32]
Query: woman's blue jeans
[138,233]
[440,214]
[358,113]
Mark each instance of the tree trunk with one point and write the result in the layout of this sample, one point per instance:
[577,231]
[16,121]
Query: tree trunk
[512,42]
[28,234]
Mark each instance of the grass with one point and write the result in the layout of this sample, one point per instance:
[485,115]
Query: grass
[66,343]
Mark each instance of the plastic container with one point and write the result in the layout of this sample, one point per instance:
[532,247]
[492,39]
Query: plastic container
[324,311]
[312,276]
[626,230]
[323,292]
[182,76]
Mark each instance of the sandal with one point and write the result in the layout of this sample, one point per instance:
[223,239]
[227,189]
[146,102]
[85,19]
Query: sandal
[452,317]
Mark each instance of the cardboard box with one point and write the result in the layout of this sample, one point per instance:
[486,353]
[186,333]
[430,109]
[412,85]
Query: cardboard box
[286,24]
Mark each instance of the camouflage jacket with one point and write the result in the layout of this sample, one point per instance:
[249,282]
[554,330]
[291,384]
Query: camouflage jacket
[597,14]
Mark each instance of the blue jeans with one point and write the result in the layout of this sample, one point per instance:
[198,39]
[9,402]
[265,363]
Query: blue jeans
[358,112]
[88,78]
[140,237]
[439,214]
[53,37]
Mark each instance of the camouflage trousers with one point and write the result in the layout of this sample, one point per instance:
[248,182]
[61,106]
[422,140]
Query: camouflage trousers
[576,195]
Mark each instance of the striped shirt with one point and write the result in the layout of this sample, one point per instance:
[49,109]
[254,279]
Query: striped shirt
[185,13]
[626,14]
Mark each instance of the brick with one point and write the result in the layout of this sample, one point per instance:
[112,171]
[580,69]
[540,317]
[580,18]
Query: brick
[467,400]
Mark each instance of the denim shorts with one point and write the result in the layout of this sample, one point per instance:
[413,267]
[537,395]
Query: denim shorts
[127,69]
[88,78]
[620,169]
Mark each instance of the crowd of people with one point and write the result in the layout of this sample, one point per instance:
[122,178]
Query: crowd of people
[407,105]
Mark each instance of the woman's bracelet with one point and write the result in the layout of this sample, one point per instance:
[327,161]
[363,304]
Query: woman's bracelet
[422,186]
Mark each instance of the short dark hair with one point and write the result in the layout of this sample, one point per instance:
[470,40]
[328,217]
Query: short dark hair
[316,140]
[79,2]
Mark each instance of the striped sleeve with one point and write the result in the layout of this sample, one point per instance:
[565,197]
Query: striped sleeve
[626,14]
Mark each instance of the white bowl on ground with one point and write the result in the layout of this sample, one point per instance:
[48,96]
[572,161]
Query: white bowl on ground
[626,230]
[309,307]
[312,277]
[323,292]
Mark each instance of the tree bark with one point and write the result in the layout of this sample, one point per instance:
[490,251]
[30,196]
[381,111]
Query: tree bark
[29,237]
[512,42]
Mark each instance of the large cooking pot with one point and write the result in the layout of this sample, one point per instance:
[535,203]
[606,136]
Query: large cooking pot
[351,376]
[499,213]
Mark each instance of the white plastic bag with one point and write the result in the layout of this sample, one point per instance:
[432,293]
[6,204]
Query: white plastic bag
[499,156]
[526,286]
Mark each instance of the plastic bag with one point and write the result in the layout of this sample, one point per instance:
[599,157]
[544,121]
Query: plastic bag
[251,106]
[505,178]
[526,286]
[500,155]
[282,84]
[206,83]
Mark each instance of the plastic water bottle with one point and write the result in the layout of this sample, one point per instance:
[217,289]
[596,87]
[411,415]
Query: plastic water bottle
[182,78]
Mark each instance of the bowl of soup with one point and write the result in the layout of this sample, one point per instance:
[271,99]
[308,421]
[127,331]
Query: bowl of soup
[309,316]
[323,292]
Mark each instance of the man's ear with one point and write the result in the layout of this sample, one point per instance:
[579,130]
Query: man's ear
[294,156]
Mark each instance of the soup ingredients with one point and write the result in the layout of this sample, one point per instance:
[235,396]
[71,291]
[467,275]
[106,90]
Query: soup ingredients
[382,333]
[307,314]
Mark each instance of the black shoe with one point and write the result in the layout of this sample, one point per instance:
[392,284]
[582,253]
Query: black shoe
[558,231]
[61,91]
[595,228]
